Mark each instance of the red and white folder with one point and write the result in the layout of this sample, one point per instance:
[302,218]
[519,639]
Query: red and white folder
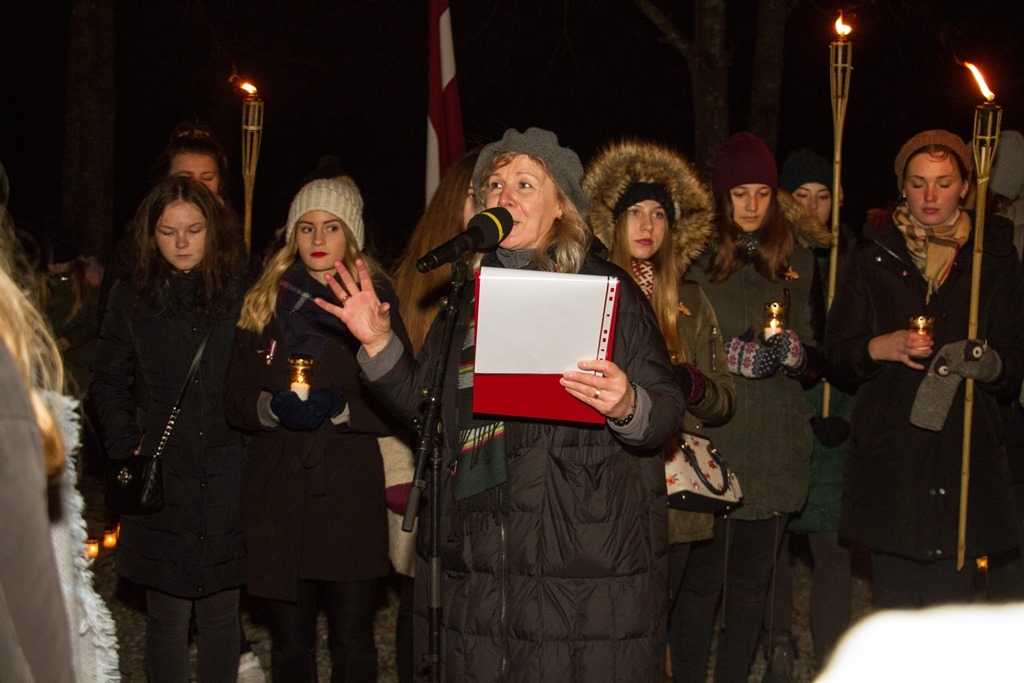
[530,328]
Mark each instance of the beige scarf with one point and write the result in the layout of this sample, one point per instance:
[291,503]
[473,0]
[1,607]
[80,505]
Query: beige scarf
[933,249]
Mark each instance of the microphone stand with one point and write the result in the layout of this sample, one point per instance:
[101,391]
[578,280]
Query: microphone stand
[430,447]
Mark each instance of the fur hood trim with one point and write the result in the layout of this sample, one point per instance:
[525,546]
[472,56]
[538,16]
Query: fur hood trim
[621,164]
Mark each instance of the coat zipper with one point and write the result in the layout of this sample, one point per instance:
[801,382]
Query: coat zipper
[503,531]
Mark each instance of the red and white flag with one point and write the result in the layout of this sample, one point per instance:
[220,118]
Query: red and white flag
[444,117]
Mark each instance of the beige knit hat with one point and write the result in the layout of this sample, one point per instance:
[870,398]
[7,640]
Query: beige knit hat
[925,139]
[340,198]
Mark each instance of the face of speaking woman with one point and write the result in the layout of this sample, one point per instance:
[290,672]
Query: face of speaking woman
[525,189]
[934,188]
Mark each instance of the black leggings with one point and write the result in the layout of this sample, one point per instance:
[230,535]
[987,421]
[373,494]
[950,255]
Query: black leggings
[350,608]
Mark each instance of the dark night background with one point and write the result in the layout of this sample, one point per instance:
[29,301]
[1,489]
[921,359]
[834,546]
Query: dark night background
[350,79]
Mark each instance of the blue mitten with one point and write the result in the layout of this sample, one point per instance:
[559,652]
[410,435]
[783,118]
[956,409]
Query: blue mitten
[294,413]
[789,350]
[750,359]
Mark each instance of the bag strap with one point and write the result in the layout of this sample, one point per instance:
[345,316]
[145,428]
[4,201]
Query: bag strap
[694,461]
[176,408]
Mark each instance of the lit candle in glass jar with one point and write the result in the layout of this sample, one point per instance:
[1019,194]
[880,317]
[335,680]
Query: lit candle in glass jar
[109,538]
[92,547]
[774,318]
[301,368]
[922,324]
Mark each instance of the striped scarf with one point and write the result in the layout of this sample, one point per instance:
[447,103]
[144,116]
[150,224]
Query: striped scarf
[482,463]
[933,250]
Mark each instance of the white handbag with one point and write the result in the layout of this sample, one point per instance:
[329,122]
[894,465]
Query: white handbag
[697,476]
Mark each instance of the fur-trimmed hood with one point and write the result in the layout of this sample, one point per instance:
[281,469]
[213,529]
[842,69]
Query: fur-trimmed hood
[805,226]
[621,164]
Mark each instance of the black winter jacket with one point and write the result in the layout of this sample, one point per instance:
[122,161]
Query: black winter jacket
[901,488]
[568,581]
[193,547]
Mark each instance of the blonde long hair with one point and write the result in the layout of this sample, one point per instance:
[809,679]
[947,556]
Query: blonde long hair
[261,300]
[26,334]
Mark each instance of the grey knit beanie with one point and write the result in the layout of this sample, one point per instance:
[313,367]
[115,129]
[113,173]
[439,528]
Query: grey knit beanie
[562,163]
[340,198]
[1007,176]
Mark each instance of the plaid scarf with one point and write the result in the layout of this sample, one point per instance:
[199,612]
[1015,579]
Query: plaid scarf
[482,463]
[932,250]
[305,327]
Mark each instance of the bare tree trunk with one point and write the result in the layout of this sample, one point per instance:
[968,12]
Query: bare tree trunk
[708,62]
[88,172]
[766,93]
[710,73]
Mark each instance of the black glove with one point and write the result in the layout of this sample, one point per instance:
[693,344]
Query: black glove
[294,413]
[691,380]
[831,431]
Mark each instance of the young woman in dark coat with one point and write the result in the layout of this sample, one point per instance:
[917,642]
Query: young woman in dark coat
[189,279]
[901,487]
[314,508]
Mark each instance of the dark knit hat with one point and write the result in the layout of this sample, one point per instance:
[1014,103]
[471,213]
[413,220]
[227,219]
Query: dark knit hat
[953,143]
[561,162]
[638,192]
[802,166]
[744,159]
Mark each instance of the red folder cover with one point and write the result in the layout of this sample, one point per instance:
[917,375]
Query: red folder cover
[539,395]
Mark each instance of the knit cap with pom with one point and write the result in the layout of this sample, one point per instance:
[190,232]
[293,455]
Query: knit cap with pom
[337,197]
[743,160]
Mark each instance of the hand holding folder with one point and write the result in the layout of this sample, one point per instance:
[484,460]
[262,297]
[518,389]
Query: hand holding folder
[530,328]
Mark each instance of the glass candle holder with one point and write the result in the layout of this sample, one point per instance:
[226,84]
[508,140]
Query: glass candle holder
[922,324]
[92,547]
[774,318]
[301,368]
[109,538]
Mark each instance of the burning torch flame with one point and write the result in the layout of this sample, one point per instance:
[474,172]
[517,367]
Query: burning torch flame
[842,29]
[989,95]
[249,88]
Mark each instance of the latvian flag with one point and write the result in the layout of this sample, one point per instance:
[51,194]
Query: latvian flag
[444,119]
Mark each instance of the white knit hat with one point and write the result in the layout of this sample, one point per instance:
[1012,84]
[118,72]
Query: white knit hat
[1007,176]
[340,198]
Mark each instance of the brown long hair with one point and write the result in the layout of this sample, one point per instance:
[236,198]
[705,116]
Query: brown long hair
[774,244]
[223,266]
[419,294]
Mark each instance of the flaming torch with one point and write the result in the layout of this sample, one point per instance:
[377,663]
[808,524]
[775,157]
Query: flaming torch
[988,117]
[840,65]
[252,133]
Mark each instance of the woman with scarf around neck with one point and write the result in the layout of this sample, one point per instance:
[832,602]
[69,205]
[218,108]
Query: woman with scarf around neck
[189,279]
[651,206]
[313,504]
[901,487]
[759,254]
[554,561]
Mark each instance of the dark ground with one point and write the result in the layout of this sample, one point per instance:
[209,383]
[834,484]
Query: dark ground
[127,603]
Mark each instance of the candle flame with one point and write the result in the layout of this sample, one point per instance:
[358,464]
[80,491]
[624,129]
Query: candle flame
[842,29]
[249,88]
[989,95]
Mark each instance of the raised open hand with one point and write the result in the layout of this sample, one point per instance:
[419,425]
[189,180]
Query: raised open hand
[365,316]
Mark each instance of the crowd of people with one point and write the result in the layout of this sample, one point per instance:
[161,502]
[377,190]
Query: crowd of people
[548,550]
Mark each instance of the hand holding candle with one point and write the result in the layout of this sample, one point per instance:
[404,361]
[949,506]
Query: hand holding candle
[774,318]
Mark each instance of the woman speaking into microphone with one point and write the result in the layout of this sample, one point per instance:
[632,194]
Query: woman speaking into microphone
[553,541]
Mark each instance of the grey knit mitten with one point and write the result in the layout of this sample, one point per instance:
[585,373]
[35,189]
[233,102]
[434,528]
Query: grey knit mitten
[969,358]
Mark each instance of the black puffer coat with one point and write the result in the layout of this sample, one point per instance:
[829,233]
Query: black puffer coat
[568,581]
[193,547]
[901,488]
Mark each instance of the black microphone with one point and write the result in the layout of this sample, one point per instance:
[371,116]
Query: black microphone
[485,230]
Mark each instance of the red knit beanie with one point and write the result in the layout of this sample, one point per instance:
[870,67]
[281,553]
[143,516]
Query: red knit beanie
[744,159]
